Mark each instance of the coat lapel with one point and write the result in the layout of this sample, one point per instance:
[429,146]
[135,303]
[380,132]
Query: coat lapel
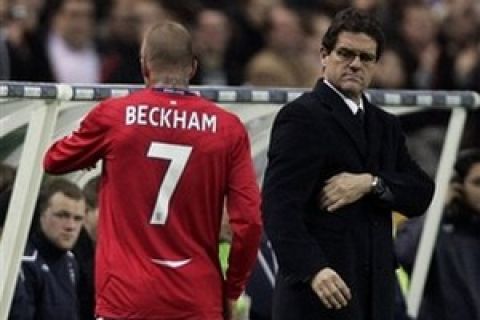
[374,133]
[343,116]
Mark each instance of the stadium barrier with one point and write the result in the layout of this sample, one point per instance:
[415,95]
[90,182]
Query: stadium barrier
[32,113]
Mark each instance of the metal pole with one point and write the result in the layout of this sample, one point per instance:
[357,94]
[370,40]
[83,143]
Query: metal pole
[434,214]
[24,196]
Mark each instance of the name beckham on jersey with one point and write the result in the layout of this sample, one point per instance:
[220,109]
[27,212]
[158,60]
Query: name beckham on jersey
[145,115]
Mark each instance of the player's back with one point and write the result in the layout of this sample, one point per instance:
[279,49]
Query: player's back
[167,162]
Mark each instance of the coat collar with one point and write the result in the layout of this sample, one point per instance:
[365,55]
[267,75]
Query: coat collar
[367,138]
[49,251]
[352,105]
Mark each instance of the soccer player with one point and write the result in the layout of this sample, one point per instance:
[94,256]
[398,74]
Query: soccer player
[170,160]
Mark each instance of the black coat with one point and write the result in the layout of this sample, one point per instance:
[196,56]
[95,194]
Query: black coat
[49,280]
[84,251]
[313,138]
[260,285]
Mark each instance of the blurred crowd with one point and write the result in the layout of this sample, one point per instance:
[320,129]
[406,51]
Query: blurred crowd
[432,44]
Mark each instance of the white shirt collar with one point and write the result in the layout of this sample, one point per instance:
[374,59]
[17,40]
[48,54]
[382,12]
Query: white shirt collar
[349,102]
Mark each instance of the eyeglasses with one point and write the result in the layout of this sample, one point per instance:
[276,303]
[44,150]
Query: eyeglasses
[349,55]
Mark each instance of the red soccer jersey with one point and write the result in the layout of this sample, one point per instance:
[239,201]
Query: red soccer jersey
[170,158]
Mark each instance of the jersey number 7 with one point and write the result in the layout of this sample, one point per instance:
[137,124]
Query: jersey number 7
[178,156]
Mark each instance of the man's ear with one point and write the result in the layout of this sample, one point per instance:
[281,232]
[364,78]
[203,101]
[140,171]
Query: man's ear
[324,56]
[193,71]
[145,72]
[455,192]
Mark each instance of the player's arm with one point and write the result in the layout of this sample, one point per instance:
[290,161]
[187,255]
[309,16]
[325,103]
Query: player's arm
[243,207]
[83,148]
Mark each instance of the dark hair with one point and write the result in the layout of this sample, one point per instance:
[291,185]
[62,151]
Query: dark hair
[53,186]
[47,190]
[303,19]
[356,21]
[64,186]
[465,161]
[90,190]
[53,7]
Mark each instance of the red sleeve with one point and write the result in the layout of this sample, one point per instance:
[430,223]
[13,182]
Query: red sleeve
[243,207]
[83,148]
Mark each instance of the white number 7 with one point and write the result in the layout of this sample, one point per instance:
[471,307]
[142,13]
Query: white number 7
[178,155]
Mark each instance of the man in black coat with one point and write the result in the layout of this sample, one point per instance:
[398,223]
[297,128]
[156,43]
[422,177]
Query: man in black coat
[337,168]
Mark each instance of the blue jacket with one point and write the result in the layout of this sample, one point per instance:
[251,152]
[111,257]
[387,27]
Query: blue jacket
[18,308]
[452,288]
[49,279]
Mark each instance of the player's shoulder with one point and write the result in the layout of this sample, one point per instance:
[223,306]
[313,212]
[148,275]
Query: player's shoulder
[222,111]
[231,121]
[226,116]
[114,106]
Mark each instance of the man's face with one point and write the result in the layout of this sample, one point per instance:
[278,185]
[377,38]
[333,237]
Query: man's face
[471,188]
[91,222]
[62,220]
[351,64]
[75,22]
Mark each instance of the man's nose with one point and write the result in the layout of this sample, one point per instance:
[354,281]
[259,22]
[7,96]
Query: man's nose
[356,62]
[70,224]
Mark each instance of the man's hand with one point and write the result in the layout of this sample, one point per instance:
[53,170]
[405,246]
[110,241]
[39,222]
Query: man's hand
[331,289]
[455,191]
[343,189]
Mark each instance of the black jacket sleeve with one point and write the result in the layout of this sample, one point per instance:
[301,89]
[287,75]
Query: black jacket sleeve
[289,181]
[411,187]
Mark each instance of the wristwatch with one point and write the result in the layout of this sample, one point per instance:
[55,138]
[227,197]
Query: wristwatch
[378,188]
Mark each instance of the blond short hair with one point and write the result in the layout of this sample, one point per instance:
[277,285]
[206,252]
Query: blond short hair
[167,45]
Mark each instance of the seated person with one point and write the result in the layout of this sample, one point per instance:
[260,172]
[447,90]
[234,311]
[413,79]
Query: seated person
[452,289]
[50,271]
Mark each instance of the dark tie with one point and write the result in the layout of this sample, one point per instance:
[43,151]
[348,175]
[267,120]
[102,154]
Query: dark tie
[360,116]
